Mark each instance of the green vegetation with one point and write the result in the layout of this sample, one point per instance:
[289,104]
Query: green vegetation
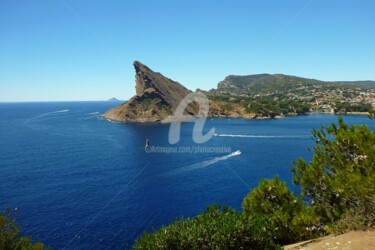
[267,105]
[337,194]
[146,103]
[164,107]
[10,237]
[294,221]
[277,104]
[157,102]
[216,228]
[263,83]
[283,83]
[341,175]
[347,107]
[227,107]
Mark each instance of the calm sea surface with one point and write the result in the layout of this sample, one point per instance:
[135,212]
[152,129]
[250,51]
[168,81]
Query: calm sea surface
[82,182]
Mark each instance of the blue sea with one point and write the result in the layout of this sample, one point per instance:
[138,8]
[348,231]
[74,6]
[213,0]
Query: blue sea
[81,182]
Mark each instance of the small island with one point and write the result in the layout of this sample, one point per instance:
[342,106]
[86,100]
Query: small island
[114,99]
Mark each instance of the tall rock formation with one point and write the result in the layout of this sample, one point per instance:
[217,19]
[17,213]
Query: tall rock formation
[157,97]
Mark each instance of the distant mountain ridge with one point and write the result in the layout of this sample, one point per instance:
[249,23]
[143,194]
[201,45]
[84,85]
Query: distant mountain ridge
[255,83]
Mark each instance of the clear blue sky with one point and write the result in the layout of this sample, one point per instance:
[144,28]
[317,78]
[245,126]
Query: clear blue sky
[55,50]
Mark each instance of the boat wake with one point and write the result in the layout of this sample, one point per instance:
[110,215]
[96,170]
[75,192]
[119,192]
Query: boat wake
[261,136]
[210,162]
[49,113]
[60,111]
[34,120]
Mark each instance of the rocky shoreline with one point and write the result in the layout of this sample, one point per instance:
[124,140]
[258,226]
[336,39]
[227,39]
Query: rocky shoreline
[246,117]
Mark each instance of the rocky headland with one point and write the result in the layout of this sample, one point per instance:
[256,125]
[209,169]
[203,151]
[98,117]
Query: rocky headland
[158,96]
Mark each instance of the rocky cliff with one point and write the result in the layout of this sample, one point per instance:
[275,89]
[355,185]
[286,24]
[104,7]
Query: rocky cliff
[157,97]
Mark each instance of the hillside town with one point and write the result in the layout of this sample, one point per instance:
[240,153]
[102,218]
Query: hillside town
[323,98]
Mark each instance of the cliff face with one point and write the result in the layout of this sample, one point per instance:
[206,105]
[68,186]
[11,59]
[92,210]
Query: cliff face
[145,79]
[157,97]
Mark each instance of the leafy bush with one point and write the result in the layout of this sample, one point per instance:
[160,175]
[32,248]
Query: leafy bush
[360,217]
[294,221]
[10,237]
[348,107]
[227,107]
[216,228]
[341,174]
[146,103]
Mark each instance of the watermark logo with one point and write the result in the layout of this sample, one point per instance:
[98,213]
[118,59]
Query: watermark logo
[197,98]
[193,149]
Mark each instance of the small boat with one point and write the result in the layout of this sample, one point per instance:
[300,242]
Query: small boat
[147,146]
[238,152]
[216,134]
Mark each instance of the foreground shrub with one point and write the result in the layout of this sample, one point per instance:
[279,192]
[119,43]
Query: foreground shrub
[341,175]
[10,237]
[294,221]
[360,217]
[216,228]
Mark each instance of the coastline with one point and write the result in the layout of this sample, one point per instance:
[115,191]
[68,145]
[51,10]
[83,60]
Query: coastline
[352,113]
[255,117]
[338,113]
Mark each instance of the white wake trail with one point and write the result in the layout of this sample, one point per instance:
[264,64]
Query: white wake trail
[33,121]
[209,162]
[48,113]
[60,111]
[260,136]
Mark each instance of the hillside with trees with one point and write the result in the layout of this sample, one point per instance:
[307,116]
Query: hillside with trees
[282,94]
[278,82]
